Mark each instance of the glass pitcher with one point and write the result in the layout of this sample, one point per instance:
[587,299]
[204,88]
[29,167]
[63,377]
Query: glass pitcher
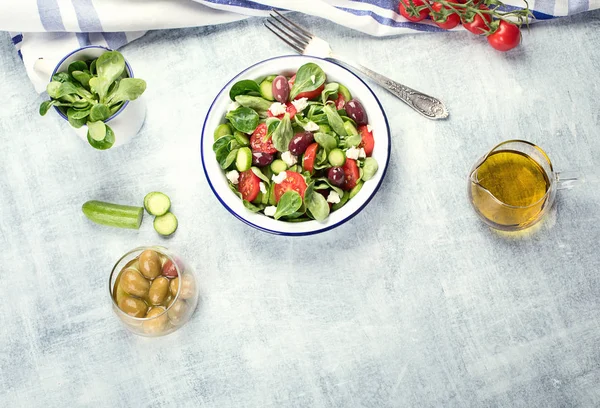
[514,185]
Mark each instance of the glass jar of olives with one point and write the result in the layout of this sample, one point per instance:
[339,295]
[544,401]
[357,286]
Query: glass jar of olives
[153,291]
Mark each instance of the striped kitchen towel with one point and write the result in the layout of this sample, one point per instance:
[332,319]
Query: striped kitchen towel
[43,31]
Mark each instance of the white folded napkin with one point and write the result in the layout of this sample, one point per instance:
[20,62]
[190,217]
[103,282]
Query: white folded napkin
[44,31]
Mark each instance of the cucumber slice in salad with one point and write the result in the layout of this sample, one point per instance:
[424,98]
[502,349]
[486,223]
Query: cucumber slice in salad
[278,166]
[337,157]
[266,89]
[345,92]
[157,203]
[113,215]
[243,160]
[222,130]
[165,224]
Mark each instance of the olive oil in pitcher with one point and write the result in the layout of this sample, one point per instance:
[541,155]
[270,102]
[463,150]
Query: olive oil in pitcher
[509,188]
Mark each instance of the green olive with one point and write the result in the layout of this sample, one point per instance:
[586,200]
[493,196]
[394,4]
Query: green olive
[133,306]
[150,265]
[174,286]
[158,290]
[156,323]
[134,283]
[177,312]
[168,300]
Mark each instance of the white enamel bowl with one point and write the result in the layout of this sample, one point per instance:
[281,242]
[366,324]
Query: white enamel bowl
[289,65]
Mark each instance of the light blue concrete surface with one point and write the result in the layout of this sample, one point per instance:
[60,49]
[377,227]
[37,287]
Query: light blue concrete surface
[413,303]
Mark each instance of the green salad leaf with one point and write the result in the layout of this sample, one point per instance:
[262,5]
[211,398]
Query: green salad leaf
[106,143]
[127,89]
[326,141]
[244,87]
[369,168]
[77,66]
[255,102]
[316,204]
[308,78]
[283,134]
[335,120]
[83,78]
[329,90]
[289,203]
[99,112]
[243,119]
[110,66]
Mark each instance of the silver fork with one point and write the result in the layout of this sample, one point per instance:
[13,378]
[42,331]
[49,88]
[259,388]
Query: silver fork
[305,43]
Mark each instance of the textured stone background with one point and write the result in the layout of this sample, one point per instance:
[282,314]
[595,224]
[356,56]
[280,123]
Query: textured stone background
[412,303]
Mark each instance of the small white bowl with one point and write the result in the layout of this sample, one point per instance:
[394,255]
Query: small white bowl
[128,120]
[289,65]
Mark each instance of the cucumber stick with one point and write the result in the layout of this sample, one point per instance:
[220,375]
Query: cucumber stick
[166,224]
[113,215]
[157,203]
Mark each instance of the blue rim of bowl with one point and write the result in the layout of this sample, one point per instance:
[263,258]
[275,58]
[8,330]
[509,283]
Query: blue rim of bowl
[127,67]
[284,233]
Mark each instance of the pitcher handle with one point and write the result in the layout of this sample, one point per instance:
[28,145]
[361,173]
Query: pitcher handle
[566,180]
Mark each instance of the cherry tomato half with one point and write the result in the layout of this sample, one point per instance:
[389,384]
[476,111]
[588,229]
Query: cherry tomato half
[308,162]
[368,142]
[249,185]
[352,174]
[258,142]
[293,181]
[506,37]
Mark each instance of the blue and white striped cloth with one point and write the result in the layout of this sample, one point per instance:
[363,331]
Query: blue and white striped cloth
[43,31]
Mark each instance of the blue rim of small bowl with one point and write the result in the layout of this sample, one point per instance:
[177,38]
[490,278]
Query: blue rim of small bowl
[285,233]
[127,67]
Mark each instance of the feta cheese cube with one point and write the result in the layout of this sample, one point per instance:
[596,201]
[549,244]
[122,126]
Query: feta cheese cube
[277,108]
[278,178]
[232,106]
[352,153]
[289,158]
[333,197]
[300,104]
[233,176]
[311,127]
[362,154]
[270,210]
[263,188]
[369,128]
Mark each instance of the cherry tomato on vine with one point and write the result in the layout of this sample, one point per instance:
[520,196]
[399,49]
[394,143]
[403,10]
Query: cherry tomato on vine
[478,25]
[410,11]
[445,17]
[506,37]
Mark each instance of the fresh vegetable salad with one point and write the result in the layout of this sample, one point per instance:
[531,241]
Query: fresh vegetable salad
[295,148]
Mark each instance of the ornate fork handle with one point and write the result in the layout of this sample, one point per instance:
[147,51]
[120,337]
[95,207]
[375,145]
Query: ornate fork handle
[428,106]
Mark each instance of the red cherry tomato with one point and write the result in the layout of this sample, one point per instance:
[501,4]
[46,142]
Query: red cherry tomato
[293,181]
[258,143]
[413,12]
[340,102]
[289,108]
[308,162]
[352,174]
[506,37]
[368,143]
[311,94]
[478,25]
[249,185]
[449,19]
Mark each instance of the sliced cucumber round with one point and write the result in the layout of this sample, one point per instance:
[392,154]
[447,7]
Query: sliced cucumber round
[345,92]
[337,157]
[350,129]
[222,130]
[278,166]
[266,89]
[165,224]
[241,138]
[243,160]
[157,203]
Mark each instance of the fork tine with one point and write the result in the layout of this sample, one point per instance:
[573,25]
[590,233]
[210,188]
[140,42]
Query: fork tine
[302,29]
[289,32]
[294,46]
[297,32]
